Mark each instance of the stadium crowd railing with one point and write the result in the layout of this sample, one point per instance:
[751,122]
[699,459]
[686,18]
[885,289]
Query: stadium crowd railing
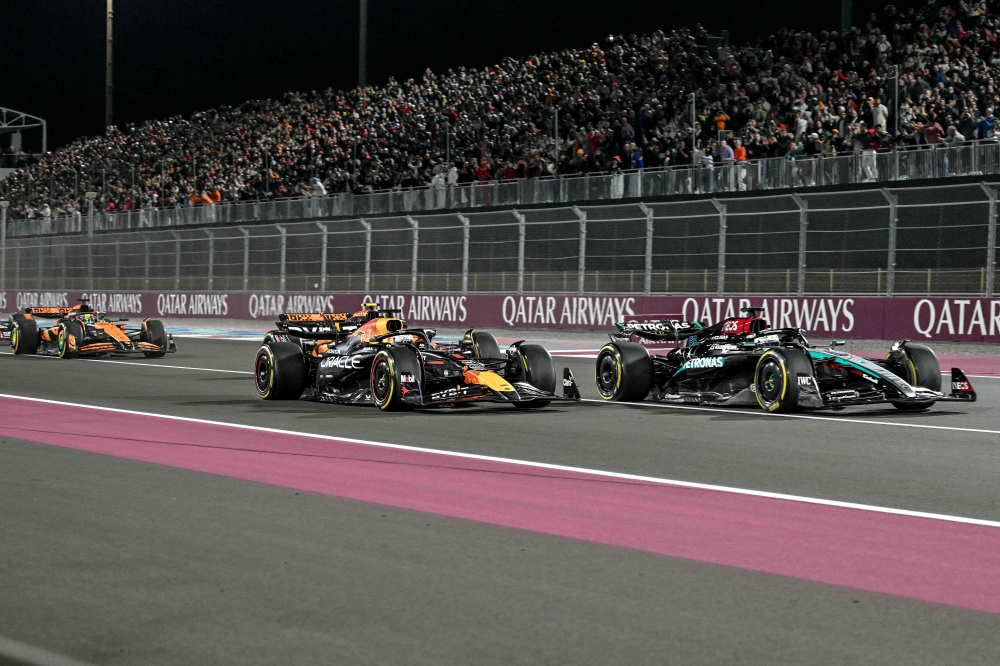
[978,158]
[929,240]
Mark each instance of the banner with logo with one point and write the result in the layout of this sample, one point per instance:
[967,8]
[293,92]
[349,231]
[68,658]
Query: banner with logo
[961,318]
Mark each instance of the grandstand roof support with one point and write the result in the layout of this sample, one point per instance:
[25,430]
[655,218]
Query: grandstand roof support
[362,43]
[15,121]
[846,15]
[108,67]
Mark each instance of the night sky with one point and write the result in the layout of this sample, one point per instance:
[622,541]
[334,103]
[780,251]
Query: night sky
[179,56]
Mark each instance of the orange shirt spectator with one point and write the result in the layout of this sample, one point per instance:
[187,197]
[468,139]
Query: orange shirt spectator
[720,121]
[740,153]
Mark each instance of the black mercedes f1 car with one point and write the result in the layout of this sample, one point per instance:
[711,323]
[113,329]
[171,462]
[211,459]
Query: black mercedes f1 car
[371,356]
[83,331]
[742,361]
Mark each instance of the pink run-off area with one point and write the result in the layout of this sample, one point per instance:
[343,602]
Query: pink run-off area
[921,558]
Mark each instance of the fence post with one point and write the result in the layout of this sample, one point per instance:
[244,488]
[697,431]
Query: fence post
[800,287]
[211,258]
[368,254]
[118,263]
[246,258]
[413,255]
[3,244]
[284,251]
[582,265]
[890,273]
[465,252]
[991,242]
[145,274]
[177,260]
[647,278]
[322,259]
[720,287]
[90,240]
[521,230]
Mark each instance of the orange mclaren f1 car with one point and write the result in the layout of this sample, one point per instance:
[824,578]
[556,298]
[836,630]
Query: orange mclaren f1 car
[83,331]
[371,356]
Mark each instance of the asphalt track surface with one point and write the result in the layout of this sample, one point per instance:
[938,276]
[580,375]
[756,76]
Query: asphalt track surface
[112,559]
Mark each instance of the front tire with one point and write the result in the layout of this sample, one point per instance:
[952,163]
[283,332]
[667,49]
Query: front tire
[624,372]
[776,379]
[70,348]
[280,371]
[388,368]
[539,371]
[919,367]
[485,346]
[154,333]
[23,334]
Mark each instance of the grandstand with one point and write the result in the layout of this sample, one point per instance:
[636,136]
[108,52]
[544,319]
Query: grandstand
[919,78]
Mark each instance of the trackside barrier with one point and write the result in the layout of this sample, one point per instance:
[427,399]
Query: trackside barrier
[904,241]
[856,317]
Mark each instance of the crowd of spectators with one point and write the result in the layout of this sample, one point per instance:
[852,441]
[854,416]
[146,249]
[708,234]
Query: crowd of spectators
[623,104]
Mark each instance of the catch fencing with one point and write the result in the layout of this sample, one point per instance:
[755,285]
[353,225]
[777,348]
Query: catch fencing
[919,241]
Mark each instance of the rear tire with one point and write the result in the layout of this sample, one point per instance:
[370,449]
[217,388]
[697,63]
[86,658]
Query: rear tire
[919,368]
[68,328]
[485,346]
[23,334]
[624,372]
[280,371]
[386,378]
[154,333]
[539,371]
[776,379]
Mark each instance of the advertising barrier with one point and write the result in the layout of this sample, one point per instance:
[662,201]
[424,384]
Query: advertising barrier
[964,319]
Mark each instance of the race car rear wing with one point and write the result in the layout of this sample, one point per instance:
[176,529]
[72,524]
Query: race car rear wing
[312,317]
[48,311]
[658,327]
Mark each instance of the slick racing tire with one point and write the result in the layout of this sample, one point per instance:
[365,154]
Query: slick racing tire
[920,368]
[23,334]
[280,371]
[624,372]
[539,371]
[776,379]
[386,379]
[66,350]
[485,346]
[154,333]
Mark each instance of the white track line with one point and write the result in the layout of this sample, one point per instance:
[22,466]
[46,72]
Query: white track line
[29,655]
[537,465]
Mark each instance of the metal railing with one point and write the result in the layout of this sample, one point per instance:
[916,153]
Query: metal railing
[921,162]
[935,240]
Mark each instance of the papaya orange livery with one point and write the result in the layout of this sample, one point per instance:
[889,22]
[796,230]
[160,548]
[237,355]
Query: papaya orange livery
[83,331]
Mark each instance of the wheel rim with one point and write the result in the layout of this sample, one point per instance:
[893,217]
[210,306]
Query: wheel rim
[769,382]
[607,374]
[62,341]
[381,381]
[262,374]
[14,336]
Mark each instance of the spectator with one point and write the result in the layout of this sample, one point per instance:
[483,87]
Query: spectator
[626,98]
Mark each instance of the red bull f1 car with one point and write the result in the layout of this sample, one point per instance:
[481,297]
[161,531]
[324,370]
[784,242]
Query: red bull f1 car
[742,361]
[371,356]
[82,331]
